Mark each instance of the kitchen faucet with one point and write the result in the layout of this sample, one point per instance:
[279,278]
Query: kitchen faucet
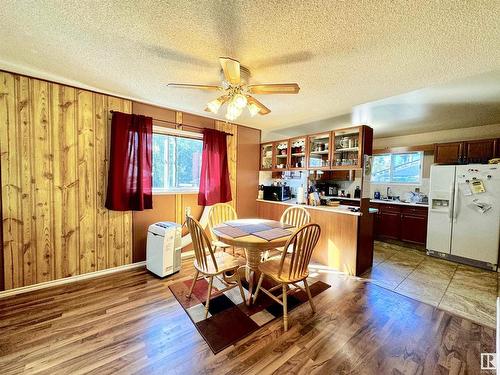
[389,194]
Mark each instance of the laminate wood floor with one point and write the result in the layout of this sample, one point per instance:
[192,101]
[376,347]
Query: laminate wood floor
[130,323]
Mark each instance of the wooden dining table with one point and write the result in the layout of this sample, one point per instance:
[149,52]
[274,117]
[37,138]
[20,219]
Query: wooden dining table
[253,245]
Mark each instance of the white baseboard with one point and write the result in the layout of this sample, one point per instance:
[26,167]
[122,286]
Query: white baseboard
[187,255]
[71,279]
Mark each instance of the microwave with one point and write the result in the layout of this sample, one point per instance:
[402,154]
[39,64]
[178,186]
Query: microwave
[277,193]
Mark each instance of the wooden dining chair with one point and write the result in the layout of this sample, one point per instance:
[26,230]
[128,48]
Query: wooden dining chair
[219,213]
[211,264]
[291,268]
[296,216]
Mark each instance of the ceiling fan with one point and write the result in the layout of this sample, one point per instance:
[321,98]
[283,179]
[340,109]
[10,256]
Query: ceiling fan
[237,92]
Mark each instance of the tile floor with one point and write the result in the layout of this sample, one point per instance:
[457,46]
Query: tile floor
[463,290]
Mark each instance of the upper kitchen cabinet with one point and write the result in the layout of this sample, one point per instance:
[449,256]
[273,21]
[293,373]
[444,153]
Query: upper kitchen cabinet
[281,155]
[449,153]
[298,153]
[341,149]
[318,151]
[266,156]
[466,152]
[480,151]
[347,150]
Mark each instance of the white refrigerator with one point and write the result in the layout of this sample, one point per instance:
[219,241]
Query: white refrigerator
[464,221]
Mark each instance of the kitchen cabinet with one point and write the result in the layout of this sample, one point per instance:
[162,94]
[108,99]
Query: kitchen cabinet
[414,225]
[466,152]
[389,222]
[449,153]
[281,154]
[480,151]
[403,223]
[346,148]
[318,151]
[266,157]
[340,149]
[298,153]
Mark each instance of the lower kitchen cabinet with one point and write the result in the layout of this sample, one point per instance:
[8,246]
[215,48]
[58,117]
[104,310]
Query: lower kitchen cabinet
[389,224]
[403,223]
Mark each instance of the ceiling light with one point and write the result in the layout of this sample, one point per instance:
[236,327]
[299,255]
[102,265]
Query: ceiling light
[253,109]
[214,105]
[240,100]
[233,111]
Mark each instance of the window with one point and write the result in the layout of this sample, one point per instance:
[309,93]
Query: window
[404,168]
[176,163]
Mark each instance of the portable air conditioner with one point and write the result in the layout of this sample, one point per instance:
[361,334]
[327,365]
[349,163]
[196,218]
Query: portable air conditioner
[163,250]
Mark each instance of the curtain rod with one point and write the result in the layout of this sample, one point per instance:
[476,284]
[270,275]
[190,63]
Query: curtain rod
[168,122]
[229,134]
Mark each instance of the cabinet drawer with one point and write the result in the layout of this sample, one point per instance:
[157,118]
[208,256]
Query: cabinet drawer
[390,208]
[417,211]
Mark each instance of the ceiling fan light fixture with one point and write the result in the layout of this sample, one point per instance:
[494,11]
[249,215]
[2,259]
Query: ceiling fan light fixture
[214,105]
[253,109]
[233,111]
[240,100]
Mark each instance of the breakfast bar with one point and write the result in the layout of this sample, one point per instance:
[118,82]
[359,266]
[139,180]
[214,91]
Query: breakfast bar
[346,241]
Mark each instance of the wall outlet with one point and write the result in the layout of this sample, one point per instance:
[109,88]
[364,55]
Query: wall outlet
[187,211]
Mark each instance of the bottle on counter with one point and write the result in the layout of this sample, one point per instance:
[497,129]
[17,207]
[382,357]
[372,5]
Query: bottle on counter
[357,192]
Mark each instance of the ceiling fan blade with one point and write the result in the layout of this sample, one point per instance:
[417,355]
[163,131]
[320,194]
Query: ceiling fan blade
[231,69]
[263,109]
[277,88]
[190,86]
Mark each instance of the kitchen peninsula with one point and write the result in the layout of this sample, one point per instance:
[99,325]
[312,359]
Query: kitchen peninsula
[346,241]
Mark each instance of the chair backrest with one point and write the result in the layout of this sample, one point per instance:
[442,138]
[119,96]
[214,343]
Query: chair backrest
[201,243]
[219,213]
[299,249]
[296,216]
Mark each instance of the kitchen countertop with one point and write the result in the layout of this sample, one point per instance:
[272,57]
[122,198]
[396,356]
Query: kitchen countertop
[341,209]
[378,201]
[399,203]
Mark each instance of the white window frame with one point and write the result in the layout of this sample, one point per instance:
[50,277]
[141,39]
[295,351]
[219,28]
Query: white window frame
[176,133]
[419,183]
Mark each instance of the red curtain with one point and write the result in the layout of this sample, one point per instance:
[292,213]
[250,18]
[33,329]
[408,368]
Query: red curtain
[130,178]
[214,180]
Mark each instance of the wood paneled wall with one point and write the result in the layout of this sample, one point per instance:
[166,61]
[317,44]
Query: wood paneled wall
[54,143]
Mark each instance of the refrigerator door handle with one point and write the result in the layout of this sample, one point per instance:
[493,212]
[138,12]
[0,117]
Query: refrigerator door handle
[452,203]
[455,205]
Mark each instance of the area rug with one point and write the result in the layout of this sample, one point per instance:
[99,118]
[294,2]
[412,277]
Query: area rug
[229,319]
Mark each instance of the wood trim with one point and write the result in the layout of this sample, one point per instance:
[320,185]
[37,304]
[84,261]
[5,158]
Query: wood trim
[387,150]
[68,280]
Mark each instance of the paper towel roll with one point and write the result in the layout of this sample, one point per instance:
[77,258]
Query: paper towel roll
[300,195]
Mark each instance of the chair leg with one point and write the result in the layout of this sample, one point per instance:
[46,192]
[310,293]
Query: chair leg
[194,282]
[210,281]
[258,287]
[285,309]
[309,296]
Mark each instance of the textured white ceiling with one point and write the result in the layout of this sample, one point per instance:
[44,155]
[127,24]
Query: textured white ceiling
[342,53]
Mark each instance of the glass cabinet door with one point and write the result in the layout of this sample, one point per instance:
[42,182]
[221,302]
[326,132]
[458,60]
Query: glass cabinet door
[280,150]
[319,151]
[298,153]
[347,148]
[266,156]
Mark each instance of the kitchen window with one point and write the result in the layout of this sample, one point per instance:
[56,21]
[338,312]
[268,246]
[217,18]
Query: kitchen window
[397,168]
[176,161]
